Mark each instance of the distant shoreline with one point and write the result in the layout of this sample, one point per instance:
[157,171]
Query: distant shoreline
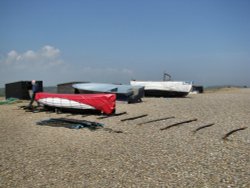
[208,89]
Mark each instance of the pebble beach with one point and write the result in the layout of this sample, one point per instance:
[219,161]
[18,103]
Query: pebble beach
[132,153]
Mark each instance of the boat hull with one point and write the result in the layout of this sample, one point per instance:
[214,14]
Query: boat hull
[131,94]
[102,102]
[164,88]
[162,93]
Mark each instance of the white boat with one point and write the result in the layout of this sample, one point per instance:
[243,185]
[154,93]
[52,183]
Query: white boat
[164,88]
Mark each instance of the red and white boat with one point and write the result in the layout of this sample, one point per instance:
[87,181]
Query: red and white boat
[102,102]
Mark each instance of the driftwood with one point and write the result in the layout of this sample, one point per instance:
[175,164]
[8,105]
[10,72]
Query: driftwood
[87,115]
[176,124]
[233,131]
[118,114]
[136,117]
[112,131]
[23,107]
[155,120]
[202,127]
[34,109]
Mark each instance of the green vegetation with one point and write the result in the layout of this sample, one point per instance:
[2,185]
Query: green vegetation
[9,101]
[2,92]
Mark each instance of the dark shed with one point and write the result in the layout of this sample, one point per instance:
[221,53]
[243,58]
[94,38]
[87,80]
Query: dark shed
[21,89]
[67,88]
[198,89]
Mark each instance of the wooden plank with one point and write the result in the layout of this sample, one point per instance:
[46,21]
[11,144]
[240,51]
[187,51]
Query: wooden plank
[155,120]
[133,118]
[176,124]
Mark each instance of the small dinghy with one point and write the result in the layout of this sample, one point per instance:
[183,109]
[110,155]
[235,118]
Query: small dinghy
[102,102]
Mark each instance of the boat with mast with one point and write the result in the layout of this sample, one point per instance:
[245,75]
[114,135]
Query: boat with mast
[165,88]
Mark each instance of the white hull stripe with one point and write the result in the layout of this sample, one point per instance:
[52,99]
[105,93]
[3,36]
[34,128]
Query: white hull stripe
[64,103]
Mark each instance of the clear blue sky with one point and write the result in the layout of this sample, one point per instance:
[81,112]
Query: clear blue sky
[205,41]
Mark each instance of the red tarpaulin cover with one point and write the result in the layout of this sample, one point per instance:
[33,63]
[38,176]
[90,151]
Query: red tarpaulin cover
[102,102]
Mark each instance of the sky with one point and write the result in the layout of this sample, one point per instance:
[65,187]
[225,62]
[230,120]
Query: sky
[113,41]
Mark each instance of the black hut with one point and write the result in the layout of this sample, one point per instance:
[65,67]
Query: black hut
[21,89]
[198,89]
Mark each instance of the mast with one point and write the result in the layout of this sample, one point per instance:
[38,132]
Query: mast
[166,76]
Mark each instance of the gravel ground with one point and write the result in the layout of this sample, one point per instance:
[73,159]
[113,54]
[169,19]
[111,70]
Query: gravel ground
[125,154]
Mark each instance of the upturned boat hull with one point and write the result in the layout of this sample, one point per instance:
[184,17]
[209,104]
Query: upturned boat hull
[102,102]
[128,93]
